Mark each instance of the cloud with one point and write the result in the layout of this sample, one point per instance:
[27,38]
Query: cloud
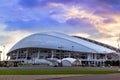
[78,13]
[108,40]
[33,25]
[51,4]
[107,24]
[77,21]
[110,26]
[2,27]
[9,38]
[94,18]
[81,35]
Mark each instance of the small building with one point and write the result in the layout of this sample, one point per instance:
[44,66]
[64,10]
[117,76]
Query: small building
[70,62]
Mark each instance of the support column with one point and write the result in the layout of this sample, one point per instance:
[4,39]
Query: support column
[101,63]
[95,59]
[69,54]
[89,59]
[105,56]
[88,56]
[52,51]
[17,54]
[20,56]
[38,53]
[95,56]
[26,54]
[88,63]
[7,57]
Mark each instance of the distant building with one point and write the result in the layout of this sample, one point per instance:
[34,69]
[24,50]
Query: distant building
[54,48]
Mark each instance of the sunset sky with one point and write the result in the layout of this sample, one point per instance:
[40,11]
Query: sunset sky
[95,19]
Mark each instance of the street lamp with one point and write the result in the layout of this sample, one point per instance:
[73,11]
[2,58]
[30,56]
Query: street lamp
[0,55]
[3,52]
[118,52]
[60,55]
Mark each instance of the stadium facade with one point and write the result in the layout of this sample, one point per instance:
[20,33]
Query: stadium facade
[53,48]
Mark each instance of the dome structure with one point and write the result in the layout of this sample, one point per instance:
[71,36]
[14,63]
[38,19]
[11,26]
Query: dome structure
[54,40]
[52,47]
[70,62]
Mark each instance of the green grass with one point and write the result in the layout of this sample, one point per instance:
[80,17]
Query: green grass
[53,72]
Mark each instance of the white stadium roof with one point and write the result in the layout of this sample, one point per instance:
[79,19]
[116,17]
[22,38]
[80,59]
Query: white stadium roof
[55,40]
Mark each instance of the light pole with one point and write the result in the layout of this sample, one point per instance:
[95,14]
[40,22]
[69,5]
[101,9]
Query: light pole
[118,52]
[3,52]
[60,55]
[0,55]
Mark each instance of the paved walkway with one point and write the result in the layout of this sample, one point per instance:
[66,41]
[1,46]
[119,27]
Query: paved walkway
[92,77]
[61,77]
[34,77]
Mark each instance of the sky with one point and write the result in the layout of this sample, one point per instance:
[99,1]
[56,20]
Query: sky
[94,19]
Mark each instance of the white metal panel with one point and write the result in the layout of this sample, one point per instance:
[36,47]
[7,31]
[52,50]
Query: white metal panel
[98,48]
[55,40]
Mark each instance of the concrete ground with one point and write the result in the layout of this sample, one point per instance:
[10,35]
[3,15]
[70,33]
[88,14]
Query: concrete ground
[61,77]
[35,77]
[92,77]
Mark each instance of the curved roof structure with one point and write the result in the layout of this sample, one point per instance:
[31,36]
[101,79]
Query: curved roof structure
[99,43]
[55,40]
[68,61]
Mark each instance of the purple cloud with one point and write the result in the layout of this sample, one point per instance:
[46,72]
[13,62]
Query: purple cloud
[77,21]
[109,20]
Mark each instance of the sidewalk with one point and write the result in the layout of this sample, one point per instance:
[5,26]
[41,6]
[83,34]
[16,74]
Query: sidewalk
[34,77]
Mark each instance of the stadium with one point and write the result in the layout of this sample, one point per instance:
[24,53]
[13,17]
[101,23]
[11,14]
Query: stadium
[58,49]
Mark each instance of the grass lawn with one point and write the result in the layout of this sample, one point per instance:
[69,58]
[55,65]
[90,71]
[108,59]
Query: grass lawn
[53,72]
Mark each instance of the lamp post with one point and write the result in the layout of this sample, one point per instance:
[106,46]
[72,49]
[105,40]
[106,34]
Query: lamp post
[60,55]
[0,55]
[3,52]
[118,41]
